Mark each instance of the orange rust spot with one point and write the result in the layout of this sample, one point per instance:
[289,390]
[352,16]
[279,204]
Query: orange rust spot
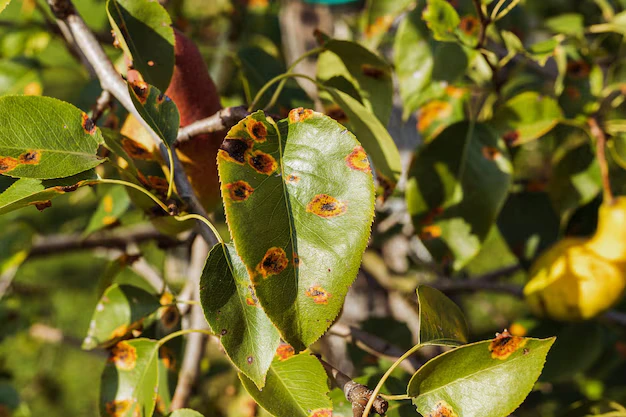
[124,356]
[257,130]
[325,205]
[258,3]
[357,160]
[430,232]
[573,92]
[136,150]
[169,316]
[380,25]
[434,110]
[469,25]
[285,351]
[490,152]
[319,294]
[141,90]
[250,301]
[107,203]
[118,408]
[168,357]
[322,412]
[30,158]
[119,331]
[442,409]
[234,150]
[511,137]
[41,205]
[7,163]
[273,263]
[239,190]
[432,214]
[455,92]
[32,89]
[166,299]
[337,113]
[109,220]
[518,330]
[151,63]
[372,71]
[505,344]
[88,125]
[292,179]
[300,114]
[578,69]
[262,162]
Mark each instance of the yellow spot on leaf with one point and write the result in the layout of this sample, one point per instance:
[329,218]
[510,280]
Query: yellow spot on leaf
[33,89]
[325,205]
[7,164]
[430,232]
[239,190]
[505,344]
[107,203]
[442,409]
[273,263]
[517,329]
[284,351]
[434,110]
[108,220]
[357,160]
[381,25]
[124,356]
[300,114]
[455,92]
[319,294]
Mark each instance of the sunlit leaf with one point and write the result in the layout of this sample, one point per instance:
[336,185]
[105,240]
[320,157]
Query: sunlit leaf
[442,19]
[441,319]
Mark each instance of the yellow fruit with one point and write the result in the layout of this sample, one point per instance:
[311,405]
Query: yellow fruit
[577,279]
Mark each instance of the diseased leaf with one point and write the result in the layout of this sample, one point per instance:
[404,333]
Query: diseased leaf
[296,386]
[44,138]
[129,381]
[299,203]
[442,19]
[454,197]
[144,31]
[441,320]
[375,139]
[120,310]
[157,109]
[113,204]
[231,308]
[378,18]
[500,373]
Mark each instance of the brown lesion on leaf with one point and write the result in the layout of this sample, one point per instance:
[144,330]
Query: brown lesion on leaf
[292,179]
[387,186]
[511,137]
[7,163]
[578,69]
[249,360]
[490,153]
[318,294]
[135,150]
[159,184]
[326,206]
[431,215]
[123,356]
[430,232]
[88,125]
[66,188]
[119,331]
[118,408]
[372,71]
[250,301]
[234,150]
[273,263]
[357,160]
[432,111]
[285,351]
[505,344]
[168,357]
[257,130]
[380,25]
[442,409]
[141,90]
[262,162]
[169,316]
[469,25]
[300,114]
[335,112]
[296,260]
[322,412]
[161,98]
[41,205]
[239,190]
[31,157]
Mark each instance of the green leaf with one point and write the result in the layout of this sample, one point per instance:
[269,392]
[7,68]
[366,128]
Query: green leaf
[499,374]
[454,197]
[441,319]
[231,308]
[43,138]
[375,139]
[129,380]
[572,24]
[307,190]
[433,117]
[526,117]
[16,194]
[442,19]
[369,73]
[110,208]
[144,31]
[157,109]
[296,386]
[378,18]
[15,245]
[185,412]
[543,50]
[120,310]
[19,78]
[3,4]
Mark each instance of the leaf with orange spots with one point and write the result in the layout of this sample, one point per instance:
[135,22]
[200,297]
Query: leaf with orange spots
[44,138]
[111,207]
[157,109]
[324,217]
[442,19]
[498,384]
[133,387]
[121,308]
[144,31]
[378,17]
[441,320]
[295,387]
[454,189]
[248,336]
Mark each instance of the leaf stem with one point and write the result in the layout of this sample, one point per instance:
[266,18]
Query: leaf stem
[204,220]
[398,397]
[171,336]
[599,135]
[506,10]
[273,81]
[170,182]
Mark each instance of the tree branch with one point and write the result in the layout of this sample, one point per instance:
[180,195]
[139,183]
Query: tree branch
[223,119]
[600,137]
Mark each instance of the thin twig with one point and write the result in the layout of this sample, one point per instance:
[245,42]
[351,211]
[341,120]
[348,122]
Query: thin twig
[599,135]
[223,119]
[485,21]
[102,103]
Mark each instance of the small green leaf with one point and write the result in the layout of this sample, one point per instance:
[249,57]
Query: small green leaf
[129,381]
[15,245]
[572,24]
[144,31]
[296,386]
[526,117]
[375,139]
[442,19]
[441,320]
[157,109]
[185,412]
[44,138]
[543,50]
[113,204]
[307,190]
[231,308]
[500,373]
[120,310]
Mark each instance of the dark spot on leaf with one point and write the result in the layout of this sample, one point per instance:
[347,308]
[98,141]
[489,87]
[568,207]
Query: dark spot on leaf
[262,162]
[325,205]
[469,25]
[141,90]
[578,69]
[442,409]
[239,190]
[249,359]
[88,125]
[511,137]
[67,188]
[223,332]
[30,158]
[273,263]
[170,317]
[7,163]
[124,356]
[490,152]
[118,408]
[135,150]
[234,150]
[505,344]
[357,160]
[257,130]
[300,114]
[296,260]
[526,351]
[372,71]
[284,351]
[160,98]
[292,179]
[319,294]
[168,357]
[41,205]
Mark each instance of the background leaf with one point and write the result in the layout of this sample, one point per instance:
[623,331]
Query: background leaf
[442,19]
[441,319]
[157,109]
[185,412]
[113,205]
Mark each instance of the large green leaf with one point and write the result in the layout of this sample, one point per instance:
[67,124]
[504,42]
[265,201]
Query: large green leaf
[231,308]
[487,379]
[43,138]
[457,184]
[440,319]
[157,109]
[111,207]
[121,309]
[374,137]
[526,117]
[129,381]
[296,386]
[299,202]
[144,31]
